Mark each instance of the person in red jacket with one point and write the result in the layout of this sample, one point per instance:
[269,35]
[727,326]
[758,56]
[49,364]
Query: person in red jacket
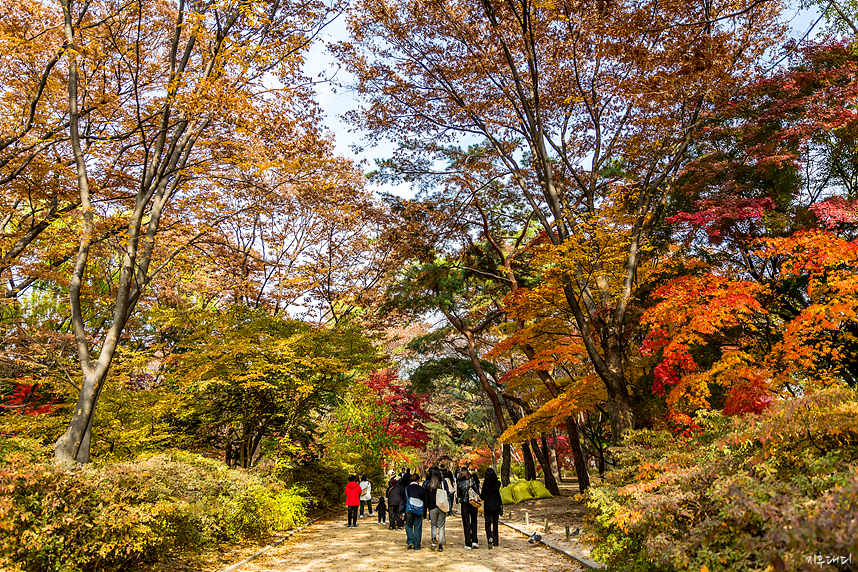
[353,500]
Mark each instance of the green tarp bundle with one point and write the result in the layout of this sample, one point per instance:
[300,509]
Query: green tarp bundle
[506,495]
[538,490]
[521,492]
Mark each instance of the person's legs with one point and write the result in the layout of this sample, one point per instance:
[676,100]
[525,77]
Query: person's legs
[472,511]
[466,523]
[353,510]
[361,509]
[492,527]
[441,525]
[418,531]
[409,527]
[450,498]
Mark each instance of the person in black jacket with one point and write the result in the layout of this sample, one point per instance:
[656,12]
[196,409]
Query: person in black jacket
[405,480]
[414,519]
[492,505]
[381,509]
[467,482]
[396,502]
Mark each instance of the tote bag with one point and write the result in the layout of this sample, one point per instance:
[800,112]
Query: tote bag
[442,500]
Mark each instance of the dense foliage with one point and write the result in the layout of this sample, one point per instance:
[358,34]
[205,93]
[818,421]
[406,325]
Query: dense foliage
[118,515]
[632,246]
[762,492]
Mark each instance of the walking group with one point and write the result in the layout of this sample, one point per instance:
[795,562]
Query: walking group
[408,503]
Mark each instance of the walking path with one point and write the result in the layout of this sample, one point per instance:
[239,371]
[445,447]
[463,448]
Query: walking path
[330,546]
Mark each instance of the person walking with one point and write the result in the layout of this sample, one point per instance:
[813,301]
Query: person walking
[405,479]
[396,502]
[352,500]
[365,495]
[415,498]
[437,514]
[451,486]
[492,505]
[381,509]
[465,483]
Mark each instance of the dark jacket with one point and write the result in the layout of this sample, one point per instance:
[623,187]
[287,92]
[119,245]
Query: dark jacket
[430,495]
[491,496]
[406,478]
[381,507]
[463,486]
[414,490]
[395,498]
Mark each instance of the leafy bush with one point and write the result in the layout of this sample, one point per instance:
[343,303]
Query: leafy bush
[324,483]
[119,515]
[775,491]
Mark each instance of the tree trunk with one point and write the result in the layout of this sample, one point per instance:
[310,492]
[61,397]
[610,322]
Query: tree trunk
[552,462]
[547,475]
[577,454]
[554,458]
[608,365]
[546,452]
[73,446]
[529,466]
[619,403]
[505,465]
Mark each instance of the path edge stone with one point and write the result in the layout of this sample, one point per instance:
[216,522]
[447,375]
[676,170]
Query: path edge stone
[278,542]
[586,562]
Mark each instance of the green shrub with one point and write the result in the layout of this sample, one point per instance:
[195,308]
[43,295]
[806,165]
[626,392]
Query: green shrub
[120,515]
[744,494]
[324,483]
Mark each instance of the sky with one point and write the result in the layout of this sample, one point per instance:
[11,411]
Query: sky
[335,101]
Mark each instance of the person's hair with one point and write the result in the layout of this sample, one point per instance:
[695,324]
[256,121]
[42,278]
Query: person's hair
[434,480]
[352,478]
[415,478]
[363,478]
[491,476]
[464,473]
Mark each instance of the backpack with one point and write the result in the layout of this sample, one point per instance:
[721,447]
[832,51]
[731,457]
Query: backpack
[414,505]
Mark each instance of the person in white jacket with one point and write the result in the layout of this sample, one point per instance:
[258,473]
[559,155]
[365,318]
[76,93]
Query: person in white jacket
[365,495]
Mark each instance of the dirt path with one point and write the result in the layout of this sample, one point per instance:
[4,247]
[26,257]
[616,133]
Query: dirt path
[330,546]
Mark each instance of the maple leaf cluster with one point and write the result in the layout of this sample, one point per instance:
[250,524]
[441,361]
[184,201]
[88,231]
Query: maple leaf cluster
[405,422]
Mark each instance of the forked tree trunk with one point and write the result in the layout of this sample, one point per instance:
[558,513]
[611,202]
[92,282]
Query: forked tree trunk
[547,475]
[577,454]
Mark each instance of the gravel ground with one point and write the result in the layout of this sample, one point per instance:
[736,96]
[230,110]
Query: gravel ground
[560,511]
[331,546]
